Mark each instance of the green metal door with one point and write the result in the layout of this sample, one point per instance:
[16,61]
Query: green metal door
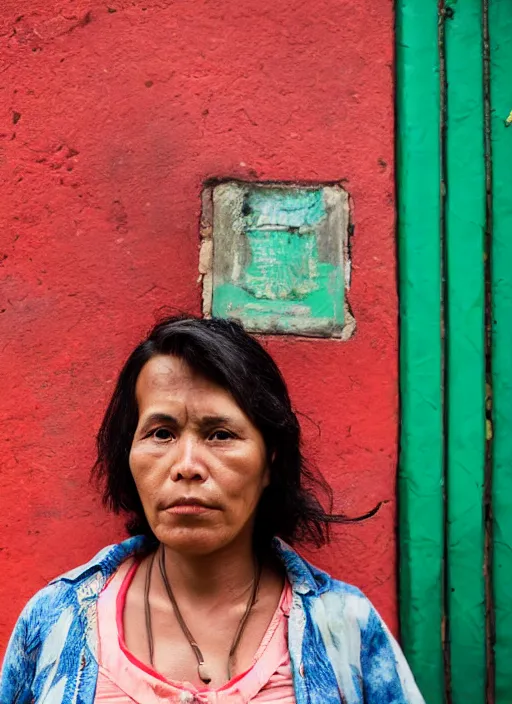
[454,160]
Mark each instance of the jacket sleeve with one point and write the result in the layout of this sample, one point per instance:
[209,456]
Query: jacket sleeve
[385,672]
[18,666]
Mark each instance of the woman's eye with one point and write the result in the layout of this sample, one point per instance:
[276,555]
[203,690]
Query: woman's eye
[162,434]
[221,435]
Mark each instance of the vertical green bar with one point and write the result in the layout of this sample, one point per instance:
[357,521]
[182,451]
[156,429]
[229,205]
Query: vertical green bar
[421,457]
[500,28]
[465,218]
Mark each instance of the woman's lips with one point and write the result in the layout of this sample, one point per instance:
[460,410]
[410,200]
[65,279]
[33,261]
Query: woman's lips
[189,509]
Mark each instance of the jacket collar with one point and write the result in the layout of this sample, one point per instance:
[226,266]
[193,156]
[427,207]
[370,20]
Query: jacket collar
[304,577]
[106,561]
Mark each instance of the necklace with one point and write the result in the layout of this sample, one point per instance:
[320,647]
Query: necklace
[202,669]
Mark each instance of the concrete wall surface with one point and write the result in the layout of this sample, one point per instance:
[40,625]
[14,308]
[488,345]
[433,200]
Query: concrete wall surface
[113,116]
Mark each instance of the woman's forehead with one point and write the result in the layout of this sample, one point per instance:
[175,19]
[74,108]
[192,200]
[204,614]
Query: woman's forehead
[166,378]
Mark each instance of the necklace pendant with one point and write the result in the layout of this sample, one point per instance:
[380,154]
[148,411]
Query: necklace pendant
[202,671]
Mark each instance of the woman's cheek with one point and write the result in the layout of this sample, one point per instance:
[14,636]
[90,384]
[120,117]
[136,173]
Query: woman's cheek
[142,458]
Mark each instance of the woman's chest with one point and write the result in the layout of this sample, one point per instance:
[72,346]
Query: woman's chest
[214,638]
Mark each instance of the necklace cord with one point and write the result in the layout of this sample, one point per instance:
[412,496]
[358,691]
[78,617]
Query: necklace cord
[203,675]
[172,599]
[147,609]
[241,626]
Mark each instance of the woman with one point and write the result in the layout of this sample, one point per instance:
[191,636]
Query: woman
[207,603]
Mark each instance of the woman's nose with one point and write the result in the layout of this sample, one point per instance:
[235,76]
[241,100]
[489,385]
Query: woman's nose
[187,463]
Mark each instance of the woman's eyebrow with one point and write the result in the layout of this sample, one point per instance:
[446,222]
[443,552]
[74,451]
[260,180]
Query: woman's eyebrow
[155,418]
[207,422]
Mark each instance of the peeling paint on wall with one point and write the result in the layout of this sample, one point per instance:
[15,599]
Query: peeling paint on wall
[275,256]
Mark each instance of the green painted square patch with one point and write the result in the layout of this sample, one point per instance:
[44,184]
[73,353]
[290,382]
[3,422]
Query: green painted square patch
[279,258]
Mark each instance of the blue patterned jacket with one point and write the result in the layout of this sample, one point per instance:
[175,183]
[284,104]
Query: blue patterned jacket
[341,651]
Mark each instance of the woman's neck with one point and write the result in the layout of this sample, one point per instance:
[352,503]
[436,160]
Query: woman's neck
[227,573]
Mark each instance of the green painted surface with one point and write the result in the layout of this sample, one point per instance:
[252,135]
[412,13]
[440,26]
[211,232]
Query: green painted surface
[284,265]
[279,313]
[465,351]
[421,457]
[285,207]
[286,268]
[500,26]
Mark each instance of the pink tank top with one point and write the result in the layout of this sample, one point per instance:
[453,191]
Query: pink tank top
[123,679]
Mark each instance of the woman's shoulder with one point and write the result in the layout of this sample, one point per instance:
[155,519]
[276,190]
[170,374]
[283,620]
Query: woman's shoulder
[306,577]
[346,603]
[60,598]
[55,620]
[334,602]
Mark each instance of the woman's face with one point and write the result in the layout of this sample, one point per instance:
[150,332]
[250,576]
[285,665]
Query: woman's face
[199,463]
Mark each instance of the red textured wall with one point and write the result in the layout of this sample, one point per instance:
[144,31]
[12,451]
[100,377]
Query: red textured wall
[112,118]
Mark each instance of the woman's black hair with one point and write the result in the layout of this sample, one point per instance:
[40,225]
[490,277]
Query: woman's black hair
[222,351]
